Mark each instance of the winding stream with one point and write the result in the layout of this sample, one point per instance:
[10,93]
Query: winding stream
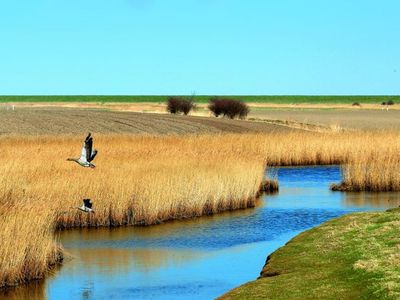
[200,258]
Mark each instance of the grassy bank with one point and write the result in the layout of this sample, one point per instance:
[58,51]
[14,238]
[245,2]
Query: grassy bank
[205,98]
[144,180]
[353,257]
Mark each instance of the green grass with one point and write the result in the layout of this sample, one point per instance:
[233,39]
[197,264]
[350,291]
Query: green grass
[353,257]
[204,99]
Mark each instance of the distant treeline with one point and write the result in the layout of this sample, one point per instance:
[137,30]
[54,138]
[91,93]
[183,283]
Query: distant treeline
[204,99]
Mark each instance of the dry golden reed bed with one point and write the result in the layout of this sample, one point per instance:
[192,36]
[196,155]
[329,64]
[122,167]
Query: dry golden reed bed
[374,170]
[28,247]
[138,180]
[143,180]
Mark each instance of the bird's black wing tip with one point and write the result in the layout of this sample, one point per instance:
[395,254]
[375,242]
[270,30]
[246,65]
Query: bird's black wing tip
[89,136]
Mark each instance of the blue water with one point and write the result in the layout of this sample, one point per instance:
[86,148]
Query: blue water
[205,257]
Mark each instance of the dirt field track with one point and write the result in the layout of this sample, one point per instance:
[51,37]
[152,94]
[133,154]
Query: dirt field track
[33,121]
[363,119]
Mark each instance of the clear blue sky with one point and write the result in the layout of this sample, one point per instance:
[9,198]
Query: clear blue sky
[204,46]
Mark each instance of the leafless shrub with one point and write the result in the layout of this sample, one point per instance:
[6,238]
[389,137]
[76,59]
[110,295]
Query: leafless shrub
[176,105]
[228,107]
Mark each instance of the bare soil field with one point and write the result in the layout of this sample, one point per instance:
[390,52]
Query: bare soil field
[341,118]
[334,116]
[48,121]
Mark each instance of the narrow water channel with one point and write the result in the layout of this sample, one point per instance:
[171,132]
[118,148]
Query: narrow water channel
[200,258]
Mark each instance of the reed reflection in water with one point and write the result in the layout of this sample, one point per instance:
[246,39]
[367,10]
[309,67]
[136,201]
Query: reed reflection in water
[386,199]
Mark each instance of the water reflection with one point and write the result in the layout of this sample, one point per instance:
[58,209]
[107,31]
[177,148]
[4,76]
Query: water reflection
[32,291]
[376,200]
[111,260]
[209,234]
[204,257]
[91,236]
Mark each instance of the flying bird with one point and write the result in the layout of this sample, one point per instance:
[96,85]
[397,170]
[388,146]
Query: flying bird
[87,153]
[86,206]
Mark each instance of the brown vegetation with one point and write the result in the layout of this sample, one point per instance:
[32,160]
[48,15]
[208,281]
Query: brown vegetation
[28,246]
[376,171]
[176,105]
[269,186]
[228,107]
[138,181]
[143,180]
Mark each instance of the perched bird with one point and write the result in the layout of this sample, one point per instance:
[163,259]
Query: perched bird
[87,154]
[86,207]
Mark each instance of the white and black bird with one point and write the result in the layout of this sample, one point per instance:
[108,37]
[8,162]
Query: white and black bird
[86,206]
[87,153]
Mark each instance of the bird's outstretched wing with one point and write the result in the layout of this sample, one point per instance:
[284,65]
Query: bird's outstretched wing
[88,146]
[87,203]
[94,152]
[88,137]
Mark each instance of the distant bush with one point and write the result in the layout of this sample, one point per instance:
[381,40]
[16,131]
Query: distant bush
[173,105]
[390,102]
[356,104]
[228,107]
[176,105]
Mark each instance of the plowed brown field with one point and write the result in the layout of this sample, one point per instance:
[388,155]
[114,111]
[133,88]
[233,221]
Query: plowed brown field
[49,121]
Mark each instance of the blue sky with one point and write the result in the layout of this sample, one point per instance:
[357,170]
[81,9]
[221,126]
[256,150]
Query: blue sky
[139,47]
